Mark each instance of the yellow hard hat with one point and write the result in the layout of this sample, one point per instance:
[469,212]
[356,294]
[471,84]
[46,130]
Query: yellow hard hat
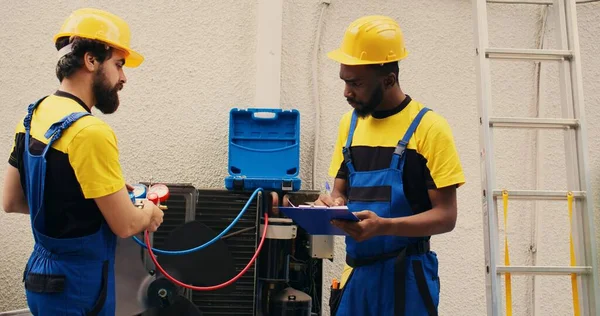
[102,26]
[373,39]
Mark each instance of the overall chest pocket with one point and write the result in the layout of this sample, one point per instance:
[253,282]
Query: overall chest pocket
[377,199]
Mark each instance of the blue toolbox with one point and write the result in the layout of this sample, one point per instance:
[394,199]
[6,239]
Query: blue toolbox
[264,149]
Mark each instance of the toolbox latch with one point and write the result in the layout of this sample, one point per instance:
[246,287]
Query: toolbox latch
[287,185]
[238,184]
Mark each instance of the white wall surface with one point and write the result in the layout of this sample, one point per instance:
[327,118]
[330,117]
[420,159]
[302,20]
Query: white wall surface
[200,62]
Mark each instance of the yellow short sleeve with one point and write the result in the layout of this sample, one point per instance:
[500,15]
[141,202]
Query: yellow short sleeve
[94,156]
[441,154]
[337,157]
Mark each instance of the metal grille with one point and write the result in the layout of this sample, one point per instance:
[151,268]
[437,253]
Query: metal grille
[173,218]
[217,209]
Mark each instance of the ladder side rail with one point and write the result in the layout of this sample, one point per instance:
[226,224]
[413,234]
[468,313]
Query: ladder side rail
[573,172]
[489,210]
[586,251]
[576,156]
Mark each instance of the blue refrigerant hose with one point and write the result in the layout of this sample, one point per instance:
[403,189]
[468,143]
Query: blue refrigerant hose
[188,251]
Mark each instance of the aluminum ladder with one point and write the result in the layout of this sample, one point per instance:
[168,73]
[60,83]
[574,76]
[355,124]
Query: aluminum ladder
[584,271]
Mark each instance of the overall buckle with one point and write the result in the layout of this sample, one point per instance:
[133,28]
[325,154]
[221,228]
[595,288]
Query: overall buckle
[420,247]
[346,153]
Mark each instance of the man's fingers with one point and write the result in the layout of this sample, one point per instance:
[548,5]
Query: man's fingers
[325,200]
[363,214]
[339,224]
[129,187]
[339,201]
[353,229]
[275,204]
[285,201]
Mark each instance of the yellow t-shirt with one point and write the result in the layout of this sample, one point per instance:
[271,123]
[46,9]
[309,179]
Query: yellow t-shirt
[431,155]
[432,160]
[82,164]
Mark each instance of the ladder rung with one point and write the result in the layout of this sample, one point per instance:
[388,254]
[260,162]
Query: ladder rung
[522,53]
[526,122]
[555,270]
[539,194]
[520,2]
[541,2]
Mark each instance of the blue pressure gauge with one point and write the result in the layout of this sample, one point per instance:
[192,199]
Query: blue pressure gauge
[139,191]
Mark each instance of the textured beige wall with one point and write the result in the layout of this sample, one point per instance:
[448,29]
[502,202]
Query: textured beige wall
[199,64]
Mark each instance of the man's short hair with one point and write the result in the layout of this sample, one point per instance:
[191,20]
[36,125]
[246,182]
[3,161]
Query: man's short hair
[385,69]
[72,61]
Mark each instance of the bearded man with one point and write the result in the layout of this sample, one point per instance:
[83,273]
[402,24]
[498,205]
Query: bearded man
[64,172]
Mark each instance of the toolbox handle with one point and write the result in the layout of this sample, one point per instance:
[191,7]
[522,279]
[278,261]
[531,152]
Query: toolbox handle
[264,115]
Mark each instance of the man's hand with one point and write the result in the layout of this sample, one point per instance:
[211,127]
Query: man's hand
[327,200]
[156,217]
[129,187]
[337,195]
[370,225]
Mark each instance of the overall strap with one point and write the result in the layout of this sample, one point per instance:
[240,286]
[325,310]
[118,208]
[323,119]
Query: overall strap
[56,129]
[398,156]
[30,109]
[27,120]
[346,149]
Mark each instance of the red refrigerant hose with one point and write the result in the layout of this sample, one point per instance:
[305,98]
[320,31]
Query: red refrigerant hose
[207,288]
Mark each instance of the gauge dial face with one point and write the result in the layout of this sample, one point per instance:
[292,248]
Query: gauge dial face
[161,190]
[139,190]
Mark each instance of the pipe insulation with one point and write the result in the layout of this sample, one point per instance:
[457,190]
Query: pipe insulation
[268,53]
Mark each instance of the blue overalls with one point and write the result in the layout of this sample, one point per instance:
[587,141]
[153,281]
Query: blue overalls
[72,276]
[391,275]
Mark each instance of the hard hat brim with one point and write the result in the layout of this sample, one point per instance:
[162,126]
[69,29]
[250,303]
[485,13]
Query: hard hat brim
[133,59]
[343,58]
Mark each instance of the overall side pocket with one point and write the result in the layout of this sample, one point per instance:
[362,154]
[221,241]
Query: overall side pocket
[103,292]
[43,283]
[423,286]
[334,300]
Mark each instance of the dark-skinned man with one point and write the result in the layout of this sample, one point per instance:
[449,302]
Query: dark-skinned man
[396,166]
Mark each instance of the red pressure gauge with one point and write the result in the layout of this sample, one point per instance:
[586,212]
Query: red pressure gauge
[158,192]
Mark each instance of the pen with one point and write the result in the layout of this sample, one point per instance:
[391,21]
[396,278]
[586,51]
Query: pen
[335,284]
[327,188]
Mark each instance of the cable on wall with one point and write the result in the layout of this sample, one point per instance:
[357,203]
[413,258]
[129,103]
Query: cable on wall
[316,99]
[538,152]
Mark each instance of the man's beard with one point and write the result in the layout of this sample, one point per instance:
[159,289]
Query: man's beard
[107,98]
[364,109]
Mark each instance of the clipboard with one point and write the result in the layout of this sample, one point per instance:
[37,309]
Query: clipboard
[316,219]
